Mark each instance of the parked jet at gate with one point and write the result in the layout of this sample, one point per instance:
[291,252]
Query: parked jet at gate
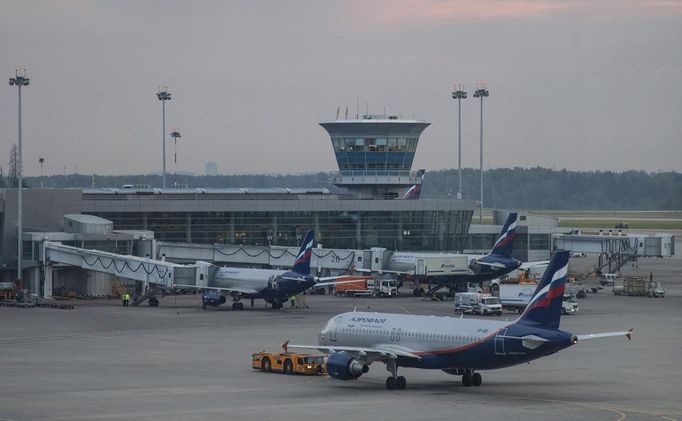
[496,263]
[457,346]
[274,286]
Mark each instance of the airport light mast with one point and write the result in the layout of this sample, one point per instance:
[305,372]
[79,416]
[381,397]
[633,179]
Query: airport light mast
[459,94]
[41,160]
[175,134]
[481,92]
[19,81]
[163,96]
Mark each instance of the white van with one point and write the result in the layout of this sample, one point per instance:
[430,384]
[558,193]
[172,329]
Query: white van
[607,279]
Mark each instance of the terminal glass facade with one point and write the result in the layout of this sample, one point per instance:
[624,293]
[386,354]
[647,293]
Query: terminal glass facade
[443,230]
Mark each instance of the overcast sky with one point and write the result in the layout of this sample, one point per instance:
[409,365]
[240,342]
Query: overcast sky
[573,84]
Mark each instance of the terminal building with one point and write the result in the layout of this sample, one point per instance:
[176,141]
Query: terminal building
[364,206]
[372,201]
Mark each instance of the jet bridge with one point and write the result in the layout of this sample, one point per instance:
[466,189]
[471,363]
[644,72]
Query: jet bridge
[149,271]
[616,250]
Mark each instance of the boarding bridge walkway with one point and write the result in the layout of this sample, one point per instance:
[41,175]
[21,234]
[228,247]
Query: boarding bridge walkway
[616,250]
[158,273]
[337,260]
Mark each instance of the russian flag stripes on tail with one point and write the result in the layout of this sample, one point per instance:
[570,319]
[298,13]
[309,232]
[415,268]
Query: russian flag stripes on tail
[414,192]
[505,243]
[302,264]
[545,306]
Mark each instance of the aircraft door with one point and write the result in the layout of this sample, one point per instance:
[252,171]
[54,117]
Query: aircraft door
[499,342]
[334,326]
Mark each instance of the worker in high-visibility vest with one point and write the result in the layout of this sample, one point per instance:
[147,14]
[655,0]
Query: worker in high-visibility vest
[126,299]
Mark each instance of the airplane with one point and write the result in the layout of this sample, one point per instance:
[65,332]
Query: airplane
[457,346]
[274,286]
[496,263]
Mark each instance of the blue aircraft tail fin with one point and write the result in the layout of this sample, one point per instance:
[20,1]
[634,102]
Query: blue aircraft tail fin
[505,242]
[545,306]
[302,264]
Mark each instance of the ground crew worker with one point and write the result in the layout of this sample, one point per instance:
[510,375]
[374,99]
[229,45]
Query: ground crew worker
[126,299]
[301,301]
[293,300]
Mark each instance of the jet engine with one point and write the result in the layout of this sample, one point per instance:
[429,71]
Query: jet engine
[344,367]
[213,298]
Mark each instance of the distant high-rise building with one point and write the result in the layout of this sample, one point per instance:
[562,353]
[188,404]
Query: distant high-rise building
[211,168]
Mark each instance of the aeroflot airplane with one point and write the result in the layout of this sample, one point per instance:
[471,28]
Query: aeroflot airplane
[496,263]
[457,346]
[274,286]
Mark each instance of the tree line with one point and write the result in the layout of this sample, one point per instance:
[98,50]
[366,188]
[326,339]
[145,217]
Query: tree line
[513,188]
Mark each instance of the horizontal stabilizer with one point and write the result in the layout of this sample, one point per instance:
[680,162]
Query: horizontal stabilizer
[626,333]
[527,341]
[495,265]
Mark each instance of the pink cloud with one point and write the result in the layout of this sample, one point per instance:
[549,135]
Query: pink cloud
[395,11]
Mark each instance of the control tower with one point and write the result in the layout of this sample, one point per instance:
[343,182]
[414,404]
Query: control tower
[375,154]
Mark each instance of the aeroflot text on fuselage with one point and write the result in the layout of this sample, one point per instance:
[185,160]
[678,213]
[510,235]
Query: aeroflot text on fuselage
[367,320]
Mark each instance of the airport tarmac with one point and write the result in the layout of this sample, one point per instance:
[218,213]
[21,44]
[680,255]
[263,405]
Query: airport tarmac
[102,361]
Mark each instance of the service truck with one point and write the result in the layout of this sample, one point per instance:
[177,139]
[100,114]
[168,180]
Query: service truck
[476,302]
[637,286]
[369,287]
[515,297]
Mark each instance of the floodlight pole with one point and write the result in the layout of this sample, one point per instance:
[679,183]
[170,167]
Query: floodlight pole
[459,94]
[163,96]
[175,134]
[19,81]
[481,93]
[40,161]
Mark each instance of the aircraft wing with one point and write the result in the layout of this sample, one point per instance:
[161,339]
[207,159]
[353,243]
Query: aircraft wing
[535,264]
[330,278]
[324,284]
[231,289]
[397,272]
[626,333]
[237,289]
[379,352]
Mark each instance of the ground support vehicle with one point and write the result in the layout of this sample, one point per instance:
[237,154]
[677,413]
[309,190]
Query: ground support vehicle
[369,287]
[474,302]
[607,279]
[569,305]
[579,290]
[288,363]
[515,297]
[636,286]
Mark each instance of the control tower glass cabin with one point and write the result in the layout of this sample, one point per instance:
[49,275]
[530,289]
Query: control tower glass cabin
[375,154]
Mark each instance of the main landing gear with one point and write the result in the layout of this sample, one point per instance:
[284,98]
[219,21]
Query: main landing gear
[471,378]
[237,305]
[394,382]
